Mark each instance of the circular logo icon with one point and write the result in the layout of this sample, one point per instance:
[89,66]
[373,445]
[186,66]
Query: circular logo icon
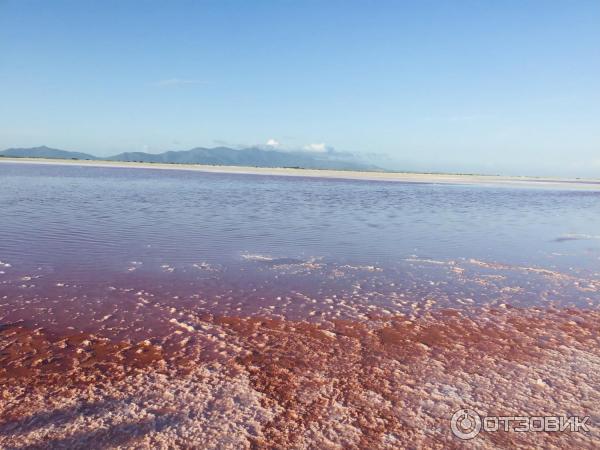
[466,424]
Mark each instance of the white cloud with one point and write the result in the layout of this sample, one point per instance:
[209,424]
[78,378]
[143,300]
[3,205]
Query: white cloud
[176,82]
[317,148]
[273,143]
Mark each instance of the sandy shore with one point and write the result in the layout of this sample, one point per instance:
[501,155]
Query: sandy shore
[259,383]
[403,177]
[378,377]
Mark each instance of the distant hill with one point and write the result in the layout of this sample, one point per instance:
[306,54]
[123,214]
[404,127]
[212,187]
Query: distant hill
[44,152]
[222,156]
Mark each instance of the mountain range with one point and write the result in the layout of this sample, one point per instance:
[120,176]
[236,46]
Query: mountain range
[222,156]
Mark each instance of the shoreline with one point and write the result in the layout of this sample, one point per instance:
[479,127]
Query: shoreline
[238,374]
[403,177]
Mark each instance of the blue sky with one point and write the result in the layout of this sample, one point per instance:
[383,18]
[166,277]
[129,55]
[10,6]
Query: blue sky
[486,86]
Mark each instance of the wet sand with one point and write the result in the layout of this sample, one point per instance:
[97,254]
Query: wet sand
[197,375]
[229,382]
[404,177]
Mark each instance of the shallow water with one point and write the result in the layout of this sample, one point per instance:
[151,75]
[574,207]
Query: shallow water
[79,244]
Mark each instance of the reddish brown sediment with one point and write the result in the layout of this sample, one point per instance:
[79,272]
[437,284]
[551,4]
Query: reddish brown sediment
[142,305]
[230,382]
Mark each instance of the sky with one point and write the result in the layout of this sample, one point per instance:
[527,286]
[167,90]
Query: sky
[483,86]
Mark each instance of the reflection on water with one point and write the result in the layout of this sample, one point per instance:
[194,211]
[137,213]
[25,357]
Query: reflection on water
[84,244]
